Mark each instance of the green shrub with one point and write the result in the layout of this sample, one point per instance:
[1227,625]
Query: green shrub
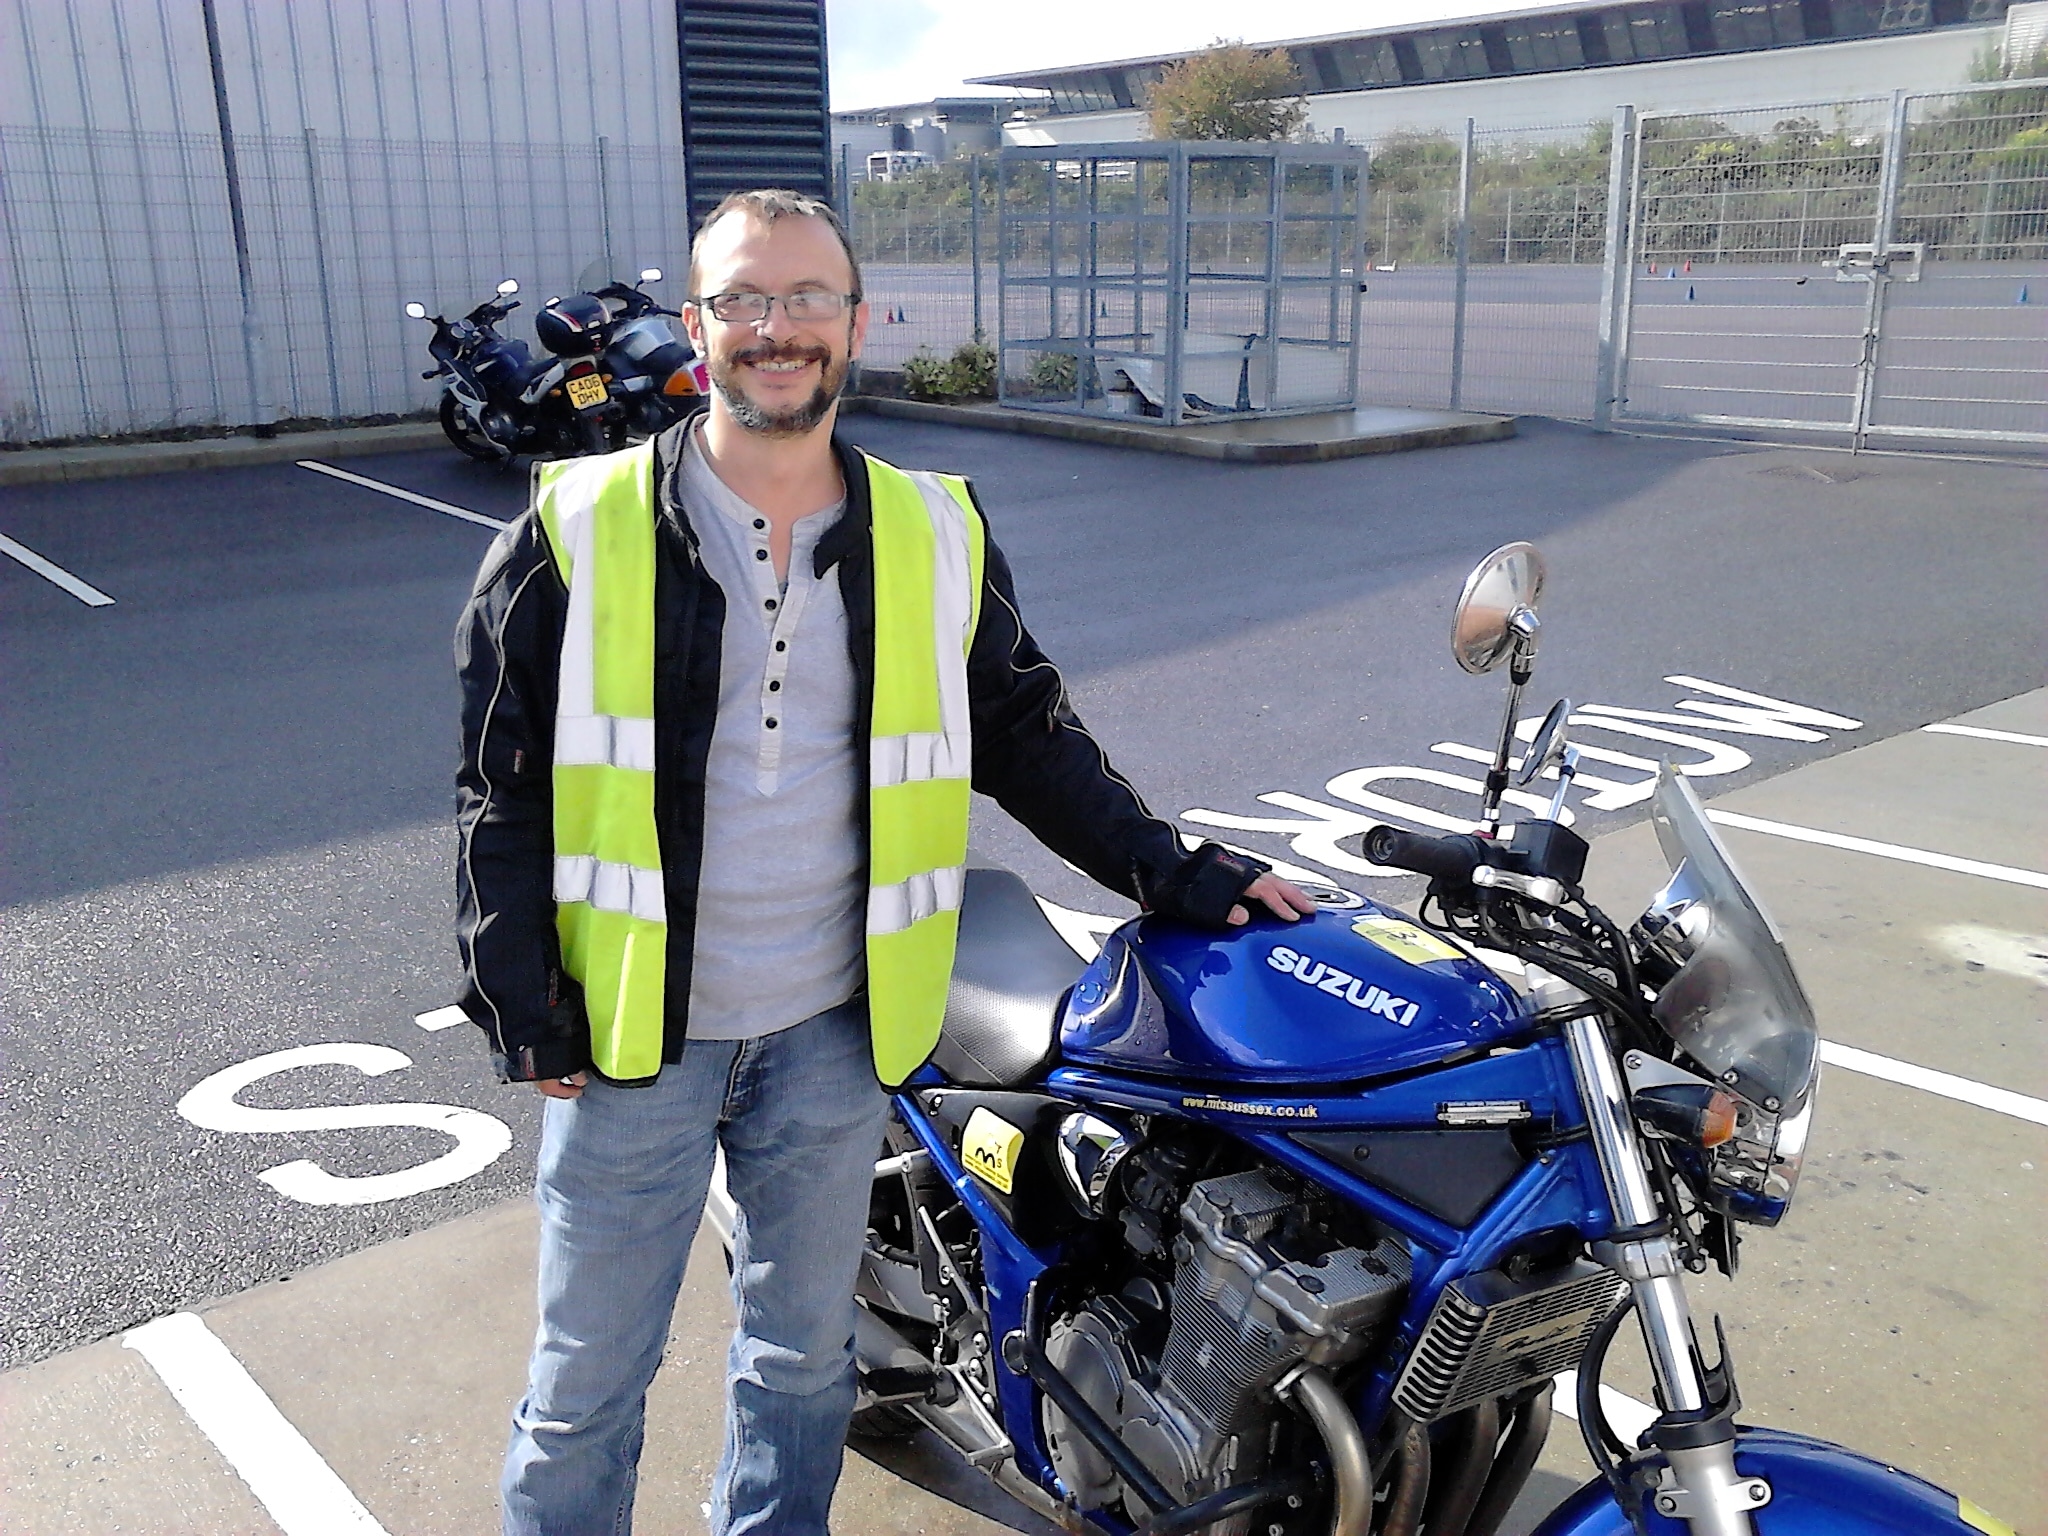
[970,373]
[974,370]
[1054,373]
[925,375]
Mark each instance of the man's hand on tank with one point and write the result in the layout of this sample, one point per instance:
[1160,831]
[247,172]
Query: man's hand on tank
[570,1087]
[1282,898]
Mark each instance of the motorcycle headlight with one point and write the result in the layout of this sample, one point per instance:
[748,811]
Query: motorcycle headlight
[1756,1171]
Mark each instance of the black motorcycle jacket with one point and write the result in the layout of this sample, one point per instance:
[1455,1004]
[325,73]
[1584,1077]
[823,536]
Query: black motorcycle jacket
[1032,755]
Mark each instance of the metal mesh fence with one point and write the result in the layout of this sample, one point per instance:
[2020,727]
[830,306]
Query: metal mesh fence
[925,285]
[1487,264]
[1964,349]
[1734,215]
[1486,254]
[124,311]
[1868,265]
[1537,220]
[120,273]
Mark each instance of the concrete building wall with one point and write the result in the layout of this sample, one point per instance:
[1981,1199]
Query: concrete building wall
[509,71]
[385,150]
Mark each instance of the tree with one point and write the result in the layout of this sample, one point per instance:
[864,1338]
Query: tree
[1230,92]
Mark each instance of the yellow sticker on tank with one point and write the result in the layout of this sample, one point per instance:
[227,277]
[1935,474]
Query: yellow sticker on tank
[991,1148]
[1397,936]
[1978,1518]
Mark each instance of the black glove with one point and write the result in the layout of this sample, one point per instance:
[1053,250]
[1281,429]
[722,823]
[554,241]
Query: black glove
[1205,886]
[565,1049]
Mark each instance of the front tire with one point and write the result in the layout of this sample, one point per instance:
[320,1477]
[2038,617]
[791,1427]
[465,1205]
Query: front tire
[466,436]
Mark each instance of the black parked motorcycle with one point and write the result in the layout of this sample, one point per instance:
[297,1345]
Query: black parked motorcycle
[656,377]
[616,373]
[499,400]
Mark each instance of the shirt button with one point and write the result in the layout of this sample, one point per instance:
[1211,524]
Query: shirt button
[782,645]
[770,722]
[775,687]
[760,554]
[771,605]
[760,523]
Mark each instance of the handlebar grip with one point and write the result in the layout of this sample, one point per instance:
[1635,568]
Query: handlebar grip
[433,373]
[1451,858]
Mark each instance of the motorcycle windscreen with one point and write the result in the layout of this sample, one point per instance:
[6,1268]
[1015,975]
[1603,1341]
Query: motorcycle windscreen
[1735,1006]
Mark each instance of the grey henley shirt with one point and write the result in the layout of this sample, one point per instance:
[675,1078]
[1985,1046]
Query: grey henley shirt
[781,899]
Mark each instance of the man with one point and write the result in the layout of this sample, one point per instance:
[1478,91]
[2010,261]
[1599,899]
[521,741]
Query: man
[723,695]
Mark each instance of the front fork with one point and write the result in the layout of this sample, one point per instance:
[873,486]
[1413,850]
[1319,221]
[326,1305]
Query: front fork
[1700,1484]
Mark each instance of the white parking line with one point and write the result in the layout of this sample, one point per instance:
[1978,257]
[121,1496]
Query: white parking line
[1881,850]
[282,1469]
[401,493]
[1962,1089]
[1984,733]
[441,1018]
[1629,1417]
[50,571]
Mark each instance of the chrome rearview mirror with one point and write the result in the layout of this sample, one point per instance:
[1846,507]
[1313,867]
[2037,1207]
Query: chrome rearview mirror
[1496,622]
[1496,617]
[510,285]
[1548,746]
[1550,749]
[417,310]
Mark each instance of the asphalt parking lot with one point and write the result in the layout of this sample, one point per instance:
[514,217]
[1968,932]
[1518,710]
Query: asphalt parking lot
[226,839]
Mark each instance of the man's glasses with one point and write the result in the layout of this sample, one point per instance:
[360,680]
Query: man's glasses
[752,308]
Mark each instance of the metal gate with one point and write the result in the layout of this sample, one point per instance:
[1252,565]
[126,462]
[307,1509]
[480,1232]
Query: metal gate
[1876,267]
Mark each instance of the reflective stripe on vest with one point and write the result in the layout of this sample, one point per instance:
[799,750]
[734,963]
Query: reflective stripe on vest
[928,563]
[610,908]
[599,517]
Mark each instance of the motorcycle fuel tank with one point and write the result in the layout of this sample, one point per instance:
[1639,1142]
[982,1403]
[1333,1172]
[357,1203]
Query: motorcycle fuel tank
[1334,997]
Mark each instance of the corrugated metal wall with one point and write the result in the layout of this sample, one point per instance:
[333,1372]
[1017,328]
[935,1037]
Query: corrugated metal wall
[386,150]
[754,98]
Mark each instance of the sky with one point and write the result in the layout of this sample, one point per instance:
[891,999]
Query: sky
[891,52]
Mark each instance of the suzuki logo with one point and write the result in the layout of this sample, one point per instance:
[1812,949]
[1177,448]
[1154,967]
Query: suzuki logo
[1327,978]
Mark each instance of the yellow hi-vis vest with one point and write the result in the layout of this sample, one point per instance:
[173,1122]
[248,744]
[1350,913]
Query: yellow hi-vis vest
[610,909]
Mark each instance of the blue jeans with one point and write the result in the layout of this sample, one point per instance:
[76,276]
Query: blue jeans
[623,1174]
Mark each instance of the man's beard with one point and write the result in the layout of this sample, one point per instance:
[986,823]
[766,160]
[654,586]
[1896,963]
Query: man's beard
[798,419]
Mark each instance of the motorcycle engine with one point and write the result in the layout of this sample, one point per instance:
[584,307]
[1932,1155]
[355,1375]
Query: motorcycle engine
[1259,1287]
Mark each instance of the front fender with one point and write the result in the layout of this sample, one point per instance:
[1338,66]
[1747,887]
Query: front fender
[1817,1489]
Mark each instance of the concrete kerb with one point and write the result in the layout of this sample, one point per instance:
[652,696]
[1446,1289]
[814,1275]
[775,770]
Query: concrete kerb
[1278,440]
[102,461]
[1269,440]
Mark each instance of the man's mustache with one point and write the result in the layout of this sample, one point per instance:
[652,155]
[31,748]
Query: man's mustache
[786,352]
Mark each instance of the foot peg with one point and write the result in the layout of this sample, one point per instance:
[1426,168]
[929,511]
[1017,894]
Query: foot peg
[907,1384]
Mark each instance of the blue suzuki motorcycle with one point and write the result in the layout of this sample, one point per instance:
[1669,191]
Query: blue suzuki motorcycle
[1291,1229]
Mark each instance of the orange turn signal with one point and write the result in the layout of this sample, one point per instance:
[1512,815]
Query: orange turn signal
[1695,1113]
[680,383]
[1717,1122]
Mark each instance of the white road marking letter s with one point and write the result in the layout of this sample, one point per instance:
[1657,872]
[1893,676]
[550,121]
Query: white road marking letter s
[480,1139]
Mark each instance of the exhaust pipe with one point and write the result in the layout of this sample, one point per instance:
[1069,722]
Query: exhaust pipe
[1411,1484]
[1349,1463]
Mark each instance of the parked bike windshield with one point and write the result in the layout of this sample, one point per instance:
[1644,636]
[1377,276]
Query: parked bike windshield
[1734,1005]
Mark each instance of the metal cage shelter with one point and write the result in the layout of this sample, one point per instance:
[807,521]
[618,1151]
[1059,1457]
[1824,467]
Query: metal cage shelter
[1181,281]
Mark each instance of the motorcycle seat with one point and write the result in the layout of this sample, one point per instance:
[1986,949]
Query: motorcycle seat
[1011,973]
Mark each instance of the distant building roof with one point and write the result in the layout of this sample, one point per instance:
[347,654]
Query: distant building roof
[987,108]
[1537,40]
